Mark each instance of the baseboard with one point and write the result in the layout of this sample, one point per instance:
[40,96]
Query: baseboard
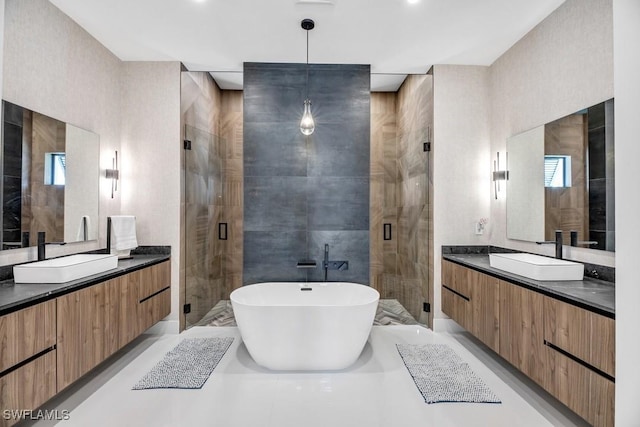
[446,325]
[164,327]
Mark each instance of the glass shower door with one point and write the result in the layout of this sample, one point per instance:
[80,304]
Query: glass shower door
[203,247]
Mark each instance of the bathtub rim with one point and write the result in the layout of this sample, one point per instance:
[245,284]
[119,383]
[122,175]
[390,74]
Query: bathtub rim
[374,298]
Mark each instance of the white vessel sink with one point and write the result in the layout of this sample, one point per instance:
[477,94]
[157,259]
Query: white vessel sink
[537,267]
[64,269]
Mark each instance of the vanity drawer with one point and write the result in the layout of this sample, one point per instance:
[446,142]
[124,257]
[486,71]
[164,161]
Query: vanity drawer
[455,278]
[588,336]
[154,279]
[28,387]
[154,309]
[27,332]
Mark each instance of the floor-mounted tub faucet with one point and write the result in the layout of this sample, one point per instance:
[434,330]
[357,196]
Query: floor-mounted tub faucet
[332,265]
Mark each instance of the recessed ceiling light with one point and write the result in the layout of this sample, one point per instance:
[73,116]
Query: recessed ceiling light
[413,1]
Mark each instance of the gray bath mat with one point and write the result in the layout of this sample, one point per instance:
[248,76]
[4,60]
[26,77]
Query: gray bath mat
[188,365]
[442,376]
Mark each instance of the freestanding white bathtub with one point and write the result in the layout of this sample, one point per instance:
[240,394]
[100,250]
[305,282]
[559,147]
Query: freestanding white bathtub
[305,326]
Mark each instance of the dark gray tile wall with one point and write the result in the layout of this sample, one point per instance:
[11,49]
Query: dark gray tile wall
[601,176]
[12,176]
[301,193]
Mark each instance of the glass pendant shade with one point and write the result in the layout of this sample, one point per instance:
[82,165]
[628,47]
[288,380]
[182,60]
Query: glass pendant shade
[307,125]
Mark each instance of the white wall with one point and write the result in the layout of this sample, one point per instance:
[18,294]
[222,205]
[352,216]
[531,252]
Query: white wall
[561,66]
[461,161]
[81,195]
[1,42]
[52,66]
[627,127]
[525,218]
[151,152]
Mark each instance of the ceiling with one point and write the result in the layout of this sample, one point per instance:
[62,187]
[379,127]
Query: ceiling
[395,36]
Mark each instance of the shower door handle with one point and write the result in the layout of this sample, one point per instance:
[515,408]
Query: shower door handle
[222,231]
[387,231]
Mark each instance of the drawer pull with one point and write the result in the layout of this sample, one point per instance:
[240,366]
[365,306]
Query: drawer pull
[457,293]
[579,361]
[26,361]
[154,294]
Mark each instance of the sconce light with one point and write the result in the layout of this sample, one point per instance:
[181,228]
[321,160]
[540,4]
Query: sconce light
[307,124]
[113,174]
[498,175]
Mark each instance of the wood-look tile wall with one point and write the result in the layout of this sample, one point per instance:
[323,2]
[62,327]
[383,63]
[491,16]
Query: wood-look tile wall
[232,197]
[401,184]
[47,201]
[383,189]
[567,208]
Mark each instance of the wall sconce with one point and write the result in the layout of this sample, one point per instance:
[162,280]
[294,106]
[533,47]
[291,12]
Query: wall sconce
[498,175]
[307,124]
[113,174]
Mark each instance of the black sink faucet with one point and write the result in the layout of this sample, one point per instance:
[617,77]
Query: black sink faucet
[42,244]
[576,242]
[557,242]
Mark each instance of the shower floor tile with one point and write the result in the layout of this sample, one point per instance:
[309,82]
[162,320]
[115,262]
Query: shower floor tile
[376,391]
[389,312]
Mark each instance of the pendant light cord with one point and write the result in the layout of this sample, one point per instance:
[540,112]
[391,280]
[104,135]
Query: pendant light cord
[307,64]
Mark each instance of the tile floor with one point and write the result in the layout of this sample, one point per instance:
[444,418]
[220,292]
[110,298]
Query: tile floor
[376,391]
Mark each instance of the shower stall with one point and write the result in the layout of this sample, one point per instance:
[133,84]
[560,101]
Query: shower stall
[260,197]
[211,252]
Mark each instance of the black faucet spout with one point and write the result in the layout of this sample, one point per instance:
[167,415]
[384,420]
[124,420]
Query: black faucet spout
[559,244]
[41,254]
[42,244]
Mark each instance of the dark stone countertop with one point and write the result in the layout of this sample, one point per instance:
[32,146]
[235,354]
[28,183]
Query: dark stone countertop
[592,294]
[18,296]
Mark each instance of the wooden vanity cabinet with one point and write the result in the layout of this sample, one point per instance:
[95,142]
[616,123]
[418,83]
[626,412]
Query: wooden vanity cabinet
[95,322]
[580,351]
[155,295]
[472,300]
[521,329]
[568,350]
[46,347]
[485,308]
[87,334]
[27,358]
[455,294]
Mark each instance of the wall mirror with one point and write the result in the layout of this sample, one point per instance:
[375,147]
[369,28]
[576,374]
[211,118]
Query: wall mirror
[50,179]
[561,177]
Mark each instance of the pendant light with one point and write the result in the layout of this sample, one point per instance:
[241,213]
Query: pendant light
[307,124]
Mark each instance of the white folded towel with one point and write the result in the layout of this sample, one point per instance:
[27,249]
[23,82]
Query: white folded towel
[123,232]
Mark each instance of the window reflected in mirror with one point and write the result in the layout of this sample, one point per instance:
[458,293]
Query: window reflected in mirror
[557,171]
[54,168]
